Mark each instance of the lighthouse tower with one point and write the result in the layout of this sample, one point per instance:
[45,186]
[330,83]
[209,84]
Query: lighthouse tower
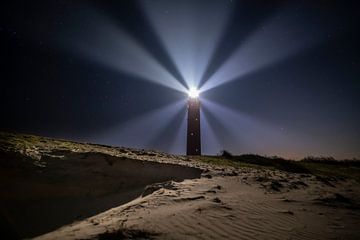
[193,124]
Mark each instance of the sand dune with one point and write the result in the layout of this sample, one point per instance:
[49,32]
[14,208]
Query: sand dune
[224,208]
[54,189]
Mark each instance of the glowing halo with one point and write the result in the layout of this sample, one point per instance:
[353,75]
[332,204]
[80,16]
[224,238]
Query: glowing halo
[193,92]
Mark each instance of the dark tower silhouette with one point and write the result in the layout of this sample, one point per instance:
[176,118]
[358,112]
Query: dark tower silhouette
[193,128]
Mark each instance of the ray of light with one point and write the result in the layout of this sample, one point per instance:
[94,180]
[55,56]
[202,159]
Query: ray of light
[166,136]
[189,30]
[179,143]
[245,19]
[139,131]
[108,44]
[281,37]
[222,129]
[210,144]
[249,134]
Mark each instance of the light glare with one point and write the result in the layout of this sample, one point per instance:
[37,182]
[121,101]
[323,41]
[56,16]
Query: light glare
[193,93]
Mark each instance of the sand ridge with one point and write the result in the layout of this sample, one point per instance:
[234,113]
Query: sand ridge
[227,207]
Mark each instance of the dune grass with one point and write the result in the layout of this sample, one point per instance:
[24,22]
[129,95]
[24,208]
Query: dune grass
[321,167]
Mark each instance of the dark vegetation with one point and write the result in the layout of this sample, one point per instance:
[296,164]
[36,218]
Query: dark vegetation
[332,161]
[275,162]
[322,167]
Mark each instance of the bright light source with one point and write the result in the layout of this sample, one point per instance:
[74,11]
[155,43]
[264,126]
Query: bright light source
[193,93]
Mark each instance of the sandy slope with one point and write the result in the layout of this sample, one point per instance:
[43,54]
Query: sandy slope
[231,207]
[76,186]
[70,190]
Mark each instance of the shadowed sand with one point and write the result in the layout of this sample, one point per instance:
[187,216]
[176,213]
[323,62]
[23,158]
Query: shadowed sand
[73,186]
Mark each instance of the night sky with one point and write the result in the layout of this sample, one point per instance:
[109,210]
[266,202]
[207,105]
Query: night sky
[276,77]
